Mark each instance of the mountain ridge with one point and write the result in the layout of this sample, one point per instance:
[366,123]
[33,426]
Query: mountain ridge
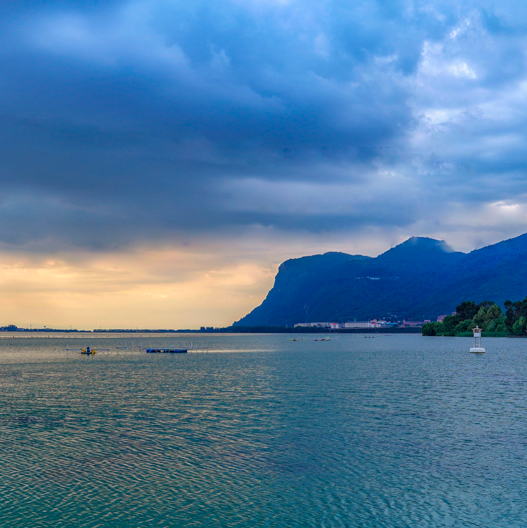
[417,279]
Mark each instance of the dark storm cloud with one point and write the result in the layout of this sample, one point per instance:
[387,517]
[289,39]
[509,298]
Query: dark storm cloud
[155,120]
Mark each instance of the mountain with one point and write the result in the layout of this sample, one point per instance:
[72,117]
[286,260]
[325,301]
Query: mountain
[418,279]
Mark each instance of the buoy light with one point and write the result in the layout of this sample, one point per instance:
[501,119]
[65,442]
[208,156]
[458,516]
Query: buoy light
[477,348]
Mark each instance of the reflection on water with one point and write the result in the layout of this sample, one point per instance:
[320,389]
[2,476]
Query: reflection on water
[388,432]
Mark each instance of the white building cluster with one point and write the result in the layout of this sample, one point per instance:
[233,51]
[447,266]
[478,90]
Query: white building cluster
[355,324]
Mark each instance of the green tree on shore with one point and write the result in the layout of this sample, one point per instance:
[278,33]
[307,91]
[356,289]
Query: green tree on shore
[487,315]
[514,312]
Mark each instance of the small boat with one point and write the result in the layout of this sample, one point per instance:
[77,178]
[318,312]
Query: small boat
[88,351]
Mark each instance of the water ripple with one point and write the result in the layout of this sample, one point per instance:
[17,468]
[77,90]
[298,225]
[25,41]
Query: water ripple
[393,432]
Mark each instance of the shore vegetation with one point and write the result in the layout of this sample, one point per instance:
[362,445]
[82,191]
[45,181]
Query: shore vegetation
[487,315]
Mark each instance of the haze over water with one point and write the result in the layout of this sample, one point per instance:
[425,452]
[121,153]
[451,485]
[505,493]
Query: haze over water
[394,431]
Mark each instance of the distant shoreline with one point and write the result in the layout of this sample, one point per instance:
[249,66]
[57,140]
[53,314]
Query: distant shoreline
[228,330]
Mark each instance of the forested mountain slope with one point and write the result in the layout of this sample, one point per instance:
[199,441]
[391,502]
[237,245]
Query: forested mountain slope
[418,279]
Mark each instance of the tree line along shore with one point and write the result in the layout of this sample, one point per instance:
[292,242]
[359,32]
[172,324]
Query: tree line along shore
[487,315]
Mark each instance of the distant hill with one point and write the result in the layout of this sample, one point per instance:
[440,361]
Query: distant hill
[418,279]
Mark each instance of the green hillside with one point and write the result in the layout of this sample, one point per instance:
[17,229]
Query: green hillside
[418,279]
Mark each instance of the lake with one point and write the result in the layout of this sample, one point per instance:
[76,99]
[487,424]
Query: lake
[384,431]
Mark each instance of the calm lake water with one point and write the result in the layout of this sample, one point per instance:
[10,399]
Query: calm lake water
[400,431]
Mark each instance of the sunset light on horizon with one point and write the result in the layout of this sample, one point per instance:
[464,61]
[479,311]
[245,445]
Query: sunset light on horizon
[160,159]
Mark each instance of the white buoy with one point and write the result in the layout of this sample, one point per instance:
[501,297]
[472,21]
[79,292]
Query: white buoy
[477,348]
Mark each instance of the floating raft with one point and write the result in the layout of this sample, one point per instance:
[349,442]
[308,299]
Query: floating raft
[166,350]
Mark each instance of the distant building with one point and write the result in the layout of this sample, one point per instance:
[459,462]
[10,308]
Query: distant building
[367,324]
[384,324]
[355,324]
[415,323]
[359,324]
[315,325]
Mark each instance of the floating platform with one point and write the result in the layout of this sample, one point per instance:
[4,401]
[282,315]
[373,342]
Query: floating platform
[477,350]
[166,350]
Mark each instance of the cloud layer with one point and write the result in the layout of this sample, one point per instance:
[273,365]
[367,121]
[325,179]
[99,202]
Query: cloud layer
[129,121]
[127,124]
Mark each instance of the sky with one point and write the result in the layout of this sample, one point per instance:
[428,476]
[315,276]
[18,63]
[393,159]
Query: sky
[160,158]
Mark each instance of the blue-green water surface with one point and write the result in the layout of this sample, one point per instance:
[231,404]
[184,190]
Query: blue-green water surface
[390,431]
